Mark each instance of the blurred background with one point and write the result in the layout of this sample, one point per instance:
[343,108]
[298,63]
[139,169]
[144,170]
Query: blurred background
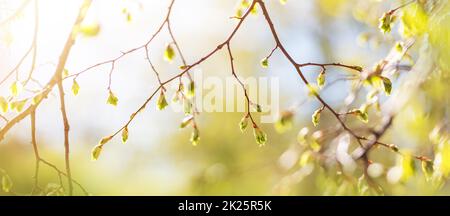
[158,158]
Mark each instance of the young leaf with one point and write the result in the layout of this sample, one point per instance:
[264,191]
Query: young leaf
[162,103]
[385,22]
[260,136]
[112,99]
[90,30]
[75,87]
[191,89]
[96,152]
[387,85]
[18,105]
[283,2]
[316,117]
[65,72]
[169,53]
[37,99]
[321,79]
[188,119]
[265,63]
[3,104]
[243,123]
[125,134]
[6,183]
[104,140]
[195,137]
[15,88]
[187,107]
[312,90]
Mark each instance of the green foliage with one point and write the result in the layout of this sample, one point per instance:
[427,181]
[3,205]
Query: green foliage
[169,53]
[18,105]
[195,137]
[96,152]
[161,102]
[265,63]
[243,123]
[260,136]
[125,134]
[385,22]
[15,88]
[3,104]
[75,87]
[315,118]
[112,99]
[321,79]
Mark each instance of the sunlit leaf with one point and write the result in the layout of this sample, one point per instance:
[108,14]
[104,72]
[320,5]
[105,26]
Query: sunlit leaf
[191,89]
[18,105]
[169,53]
[265,63]
[316,117]
[3,104]
[104,140]
[75,87]
[387,85]
[90,29]
[96,152]
[321,79]
[408,166]
[188,119]
[195,137]
[125,134]
[112,99]
[243,123]
[162,102]
[15,88]
[260,136]
[385,22]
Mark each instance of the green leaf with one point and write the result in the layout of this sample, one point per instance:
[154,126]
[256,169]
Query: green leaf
[387,85]
[191,89]
[15,88]
[243,123]
[313,90]
[195,137]
[385,22]
[316,117]
[104,140]
[162,103]
[96,152]
[3,104]
[188,119]
[260,136]
[65,72]
[90,30]
[361,114]
[321,79]
[18,105]
[37,99]
[427,168]
[265,63]
[75,87]
[125,134]
[6,183]
[112,99]
[399,47]
[169,53]
[187,107]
